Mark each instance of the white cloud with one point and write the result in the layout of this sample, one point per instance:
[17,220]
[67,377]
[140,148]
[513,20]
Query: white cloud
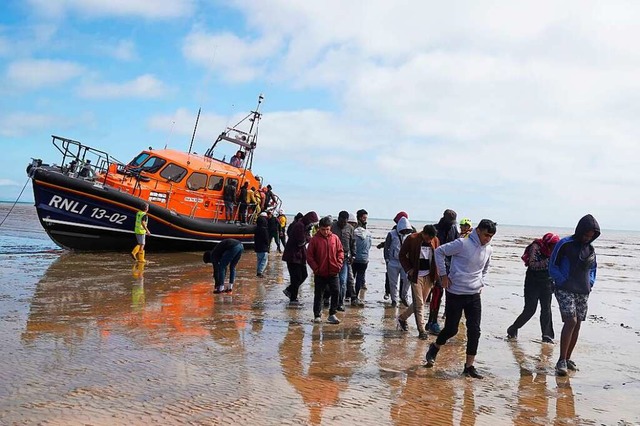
[34,73]
[238,60]
[124,50]
[8,182]
[145,86]
[156,9]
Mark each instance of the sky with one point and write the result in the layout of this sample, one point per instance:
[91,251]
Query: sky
[522,112]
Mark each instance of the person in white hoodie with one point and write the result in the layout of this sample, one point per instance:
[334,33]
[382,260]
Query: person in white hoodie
[470,259]
[392,245]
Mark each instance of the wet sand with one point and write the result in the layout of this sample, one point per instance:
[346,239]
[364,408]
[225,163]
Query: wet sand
[92,339]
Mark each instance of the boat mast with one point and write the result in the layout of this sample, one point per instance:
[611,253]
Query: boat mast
[194,130]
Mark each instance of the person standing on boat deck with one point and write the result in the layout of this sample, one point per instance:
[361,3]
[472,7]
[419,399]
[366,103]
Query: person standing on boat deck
[141,230]
[269,199]
[274,230]
[470,259]
[86,171]
[229,197]
[417,258]
[344,231]
[447,232]
[573,268]
[226,253]
[325,256]
[295,254]
[392,245]
[261,244]
[538,287]
[236,160]
[361,259]
[242,202]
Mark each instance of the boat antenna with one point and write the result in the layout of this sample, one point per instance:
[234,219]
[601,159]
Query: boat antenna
[173,123]
[194,130]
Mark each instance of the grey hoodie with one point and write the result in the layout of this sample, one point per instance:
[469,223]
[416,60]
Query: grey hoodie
[394,241]
[469,263]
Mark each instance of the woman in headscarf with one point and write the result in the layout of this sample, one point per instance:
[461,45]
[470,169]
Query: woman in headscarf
[538,287]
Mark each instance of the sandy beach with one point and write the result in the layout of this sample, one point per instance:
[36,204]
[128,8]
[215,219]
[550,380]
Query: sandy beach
[93,339]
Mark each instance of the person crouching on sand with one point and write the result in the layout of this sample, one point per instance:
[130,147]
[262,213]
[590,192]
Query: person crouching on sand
[225,253]
[325,256]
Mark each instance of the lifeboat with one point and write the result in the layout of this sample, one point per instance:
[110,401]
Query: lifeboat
[89,201]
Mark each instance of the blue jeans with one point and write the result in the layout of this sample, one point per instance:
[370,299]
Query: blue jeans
[229,258]
[263,258]
[342,276]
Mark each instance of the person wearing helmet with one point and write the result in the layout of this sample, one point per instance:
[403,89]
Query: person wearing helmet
[465,227]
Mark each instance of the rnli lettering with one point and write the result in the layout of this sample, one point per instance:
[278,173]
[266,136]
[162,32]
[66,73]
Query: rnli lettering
[65,204]
[76,207]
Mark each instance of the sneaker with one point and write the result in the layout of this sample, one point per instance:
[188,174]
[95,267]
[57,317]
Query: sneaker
[228,290]
[218,291]
[333,319]
[512,333]
[317,320]
[471,371]
[434,328]
[357,303]
[386,296]
[561,367]
[402,324]
[294,303]
[547,339]
[259,275]
[423,335]
[394,304]
[340,308]
[287,293]
[571,365]
[432,353]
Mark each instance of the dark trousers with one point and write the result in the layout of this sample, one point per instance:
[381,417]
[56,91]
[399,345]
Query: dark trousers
[229,258]
[274,236]
[471,305]
[537,288]
[297,274]
[323,284]
[359,270]
[242,212]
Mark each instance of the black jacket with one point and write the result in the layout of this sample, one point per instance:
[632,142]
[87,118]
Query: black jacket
[261,236]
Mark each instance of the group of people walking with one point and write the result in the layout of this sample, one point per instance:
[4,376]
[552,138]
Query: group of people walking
[438,260]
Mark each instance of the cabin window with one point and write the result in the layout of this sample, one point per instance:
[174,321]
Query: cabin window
[173,172]
[153,164]
[234,180]
[215,183]
[196,181]
[139,159]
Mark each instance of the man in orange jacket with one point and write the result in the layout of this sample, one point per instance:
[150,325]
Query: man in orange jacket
[325,256]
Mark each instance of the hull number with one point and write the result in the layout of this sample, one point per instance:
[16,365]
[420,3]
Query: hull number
[76,207]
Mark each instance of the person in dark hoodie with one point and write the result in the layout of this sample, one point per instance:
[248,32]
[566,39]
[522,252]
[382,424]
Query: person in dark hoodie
[226,253]
[261,244]
[447,232]
[273,224]
[295,254]
[572,267]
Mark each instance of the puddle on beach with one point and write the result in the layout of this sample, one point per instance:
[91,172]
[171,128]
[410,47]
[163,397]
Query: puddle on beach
[95,339]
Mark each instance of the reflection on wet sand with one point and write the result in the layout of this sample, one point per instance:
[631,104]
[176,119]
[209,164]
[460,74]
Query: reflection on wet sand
[322,373]
[532,406]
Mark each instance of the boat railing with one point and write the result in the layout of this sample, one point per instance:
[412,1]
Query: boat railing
[83,161]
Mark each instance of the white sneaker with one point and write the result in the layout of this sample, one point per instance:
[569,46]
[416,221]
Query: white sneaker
[317,320]
[333,319]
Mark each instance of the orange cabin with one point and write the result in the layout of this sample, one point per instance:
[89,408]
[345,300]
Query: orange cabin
[188,184]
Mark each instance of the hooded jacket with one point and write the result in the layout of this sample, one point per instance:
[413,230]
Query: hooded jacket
[409,257]
[295,250]
[573,264]
[363,244]
[469,263]
[261,236]
[346,237]
[393,242]
[325,255]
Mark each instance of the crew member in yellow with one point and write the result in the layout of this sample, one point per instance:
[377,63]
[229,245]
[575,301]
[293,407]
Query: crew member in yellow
[141,232]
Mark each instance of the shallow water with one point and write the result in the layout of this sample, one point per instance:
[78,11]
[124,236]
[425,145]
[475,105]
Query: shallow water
[92,339]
